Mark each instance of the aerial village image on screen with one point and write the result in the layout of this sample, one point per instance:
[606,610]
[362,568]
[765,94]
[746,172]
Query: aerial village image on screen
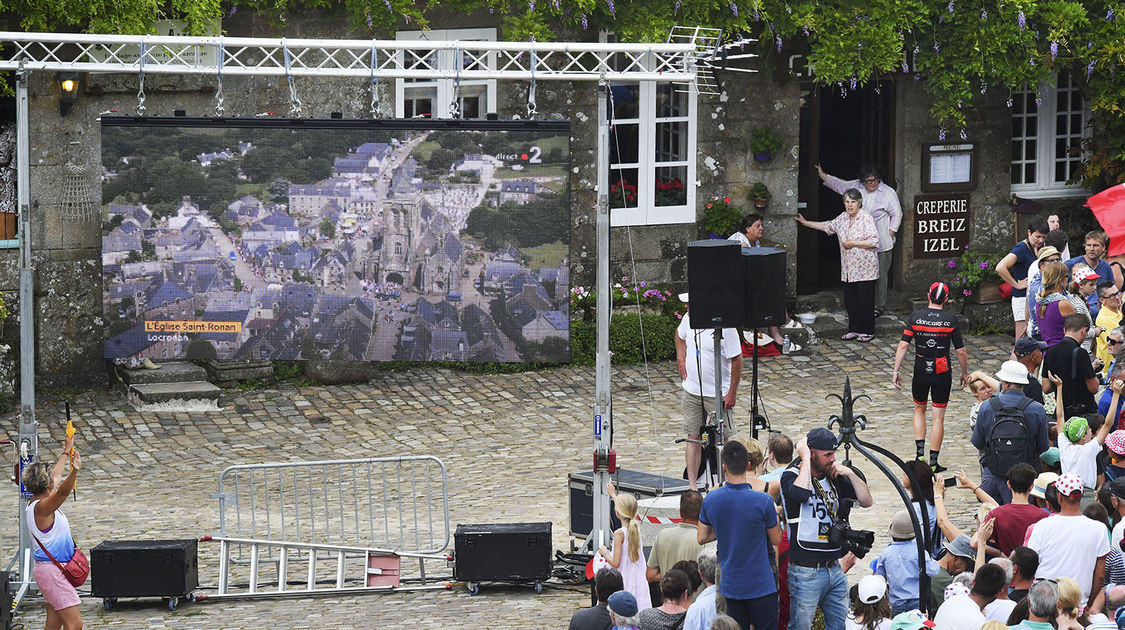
[336,244]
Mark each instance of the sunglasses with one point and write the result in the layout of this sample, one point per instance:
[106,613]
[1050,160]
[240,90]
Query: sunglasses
[1111,342]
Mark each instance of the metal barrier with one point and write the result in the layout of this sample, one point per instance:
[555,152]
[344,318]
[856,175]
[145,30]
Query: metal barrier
[399,503]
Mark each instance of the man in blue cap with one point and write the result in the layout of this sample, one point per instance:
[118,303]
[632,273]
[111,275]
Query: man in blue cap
[817,493]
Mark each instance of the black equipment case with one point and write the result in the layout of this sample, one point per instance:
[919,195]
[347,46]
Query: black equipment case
[144,568]
[510,552]
[643,485]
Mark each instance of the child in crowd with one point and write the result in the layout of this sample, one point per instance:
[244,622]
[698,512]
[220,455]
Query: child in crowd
[980,385]
[898,564]
[870,610]
[627,556]
[779,454]
[1079,444]
[1115,442]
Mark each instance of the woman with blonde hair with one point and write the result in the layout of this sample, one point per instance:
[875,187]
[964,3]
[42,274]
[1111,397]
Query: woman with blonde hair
[1052,307]
[49,526]
[627,556]
[756,459]
[1070,604]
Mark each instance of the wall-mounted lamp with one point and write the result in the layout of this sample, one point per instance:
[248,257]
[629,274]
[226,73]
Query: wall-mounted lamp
[69,84]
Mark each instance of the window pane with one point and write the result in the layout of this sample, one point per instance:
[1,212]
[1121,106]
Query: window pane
[1029,102]
[1016,171]
[1029,173]
[1076,123]
[671,100]
[420,107]
[624,143]
[670,187]
[623,188]
[623,99]
[1017,150]
[1030,125]
[1030,149]
[1061,125]
[1060,147]
[671,141]
[1060,172]
[1017,127]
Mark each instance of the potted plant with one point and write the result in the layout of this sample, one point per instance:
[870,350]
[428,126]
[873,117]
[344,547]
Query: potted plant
[975,277]
[760,194]
[720,217]
[622,194]
[764,143]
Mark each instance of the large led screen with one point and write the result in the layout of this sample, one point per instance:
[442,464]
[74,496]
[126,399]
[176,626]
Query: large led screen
[410,240]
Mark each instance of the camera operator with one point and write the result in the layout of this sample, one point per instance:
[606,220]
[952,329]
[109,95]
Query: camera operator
[817,494]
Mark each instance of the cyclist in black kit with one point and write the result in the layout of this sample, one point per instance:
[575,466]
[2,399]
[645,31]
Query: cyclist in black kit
[932,331]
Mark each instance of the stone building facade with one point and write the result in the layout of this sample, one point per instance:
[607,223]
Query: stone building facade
[887,124]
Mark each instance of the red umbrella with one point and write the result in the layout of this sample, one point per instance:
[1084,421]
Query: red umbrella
[1109,209]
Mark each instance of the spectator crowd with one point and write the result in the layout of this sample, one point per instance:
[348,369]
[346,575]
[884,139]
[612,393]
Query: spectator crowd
[770,546]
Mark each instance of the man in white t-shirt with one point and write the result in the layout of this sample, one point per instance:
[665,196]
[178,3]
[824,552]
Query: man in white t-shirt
[1068,543]
[695,356]
[964,612]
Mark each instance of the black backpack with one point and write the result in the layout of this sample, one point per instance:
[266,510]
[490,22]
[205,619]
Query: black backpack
[1009,440]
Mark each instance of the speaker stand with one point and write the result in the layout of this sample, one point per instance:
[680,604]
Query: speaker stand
[757,421]
[720,423]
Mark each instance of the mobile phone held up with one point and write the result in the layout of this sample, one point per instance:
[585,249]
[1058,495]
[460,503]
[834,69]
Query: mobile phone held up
[950,482]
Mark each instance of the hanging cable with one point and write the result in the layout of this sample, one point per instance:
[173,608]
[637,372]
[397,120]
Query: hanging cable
[141,74]
[374,83]
[219,111]
[294,100]
[455,104]
[531,108]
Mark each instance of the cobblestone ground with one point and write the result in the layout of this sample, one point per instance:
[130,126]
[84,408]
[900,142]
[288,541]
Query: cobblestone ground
[508,441]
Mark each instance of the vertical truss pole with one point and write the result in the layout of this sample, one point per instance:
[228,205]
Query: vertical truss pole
[28,436]
[603,408]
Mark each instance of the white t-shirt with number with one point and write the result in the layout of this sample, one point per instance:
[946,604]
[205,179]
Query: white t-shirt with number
[700,357]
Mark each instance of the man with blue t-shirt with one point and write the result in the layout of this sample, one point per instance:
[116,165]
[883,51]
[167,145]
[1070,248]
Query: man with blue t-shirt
[1095,247]
[817,493]
[1013,269]
[744,522]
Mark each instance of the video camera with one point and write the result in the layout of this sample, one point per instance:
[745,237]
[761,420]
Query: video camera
[857,541]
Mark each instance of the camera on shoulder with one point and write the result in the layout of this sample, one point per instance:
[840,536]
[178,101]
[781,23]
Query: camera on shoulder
[857,541]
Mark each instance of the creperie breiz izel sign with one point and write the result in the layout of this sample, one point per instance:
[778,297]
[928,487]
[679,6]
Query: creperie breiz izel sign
[941,225]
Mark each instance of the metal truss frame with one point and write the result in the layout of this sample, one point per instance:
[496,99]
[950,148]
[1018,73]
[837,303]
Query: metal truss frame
[674,61]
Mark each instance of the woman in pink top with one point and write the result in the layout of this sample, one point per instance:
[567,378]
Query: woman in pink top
[859,264]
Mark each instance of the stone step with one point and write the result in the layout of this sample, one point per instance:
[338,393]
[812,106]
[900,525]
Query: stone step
[185,396]
[229,372]
[169,372]
[831,325]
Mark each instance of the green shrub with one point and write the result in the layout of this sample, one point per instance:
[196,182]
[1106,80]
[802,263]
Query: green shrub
[625,339]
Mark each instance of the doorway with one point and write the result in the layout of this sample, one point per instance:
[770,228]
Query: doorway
[840,131]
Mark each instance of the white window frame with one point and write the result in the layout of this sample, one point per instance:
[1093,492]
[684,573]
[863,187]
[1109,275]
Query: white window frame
[1046,137]
[443,89]
[646,212]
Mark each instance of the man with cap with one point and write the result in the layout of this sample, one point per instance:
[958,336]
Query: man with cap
[816,494]
[1115,442]
[1070,544]
[899,564]
[622,610]
[1029,352]
[933,331]
[695,356]
[1071,363]
[1011,428]
[959,558]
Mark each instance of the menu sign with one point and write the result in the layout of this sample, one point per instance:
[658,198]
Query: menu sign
[941,225]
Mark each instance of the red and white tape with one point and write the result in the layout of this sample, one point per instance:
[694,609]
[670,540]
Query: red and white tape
[660,520]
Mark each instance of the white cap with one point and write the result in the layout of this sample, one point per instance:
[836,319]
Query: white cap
[683,297]
[872,588]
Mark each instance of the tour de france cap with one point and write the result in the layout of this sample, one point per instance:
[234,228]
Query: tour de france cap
[1081,274]
[1076,428]
[955,589]
[1116,442]
[1069,484]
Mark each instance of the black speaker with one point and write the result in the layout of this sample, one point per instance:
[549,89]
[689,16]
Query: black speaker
[502,551]
[144,568]
[716,284]
[765,286]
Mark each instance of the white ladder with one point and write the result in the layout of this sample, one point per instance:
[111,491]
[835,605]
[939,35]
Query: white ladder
[357,569]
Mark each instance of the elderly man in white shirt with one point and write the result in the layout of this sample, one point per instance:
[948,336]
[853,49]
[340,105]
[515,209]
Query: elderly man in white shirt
[882,203]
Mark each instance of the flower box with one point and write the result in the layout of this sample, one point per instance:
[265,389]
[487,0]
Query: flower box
[986,293]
